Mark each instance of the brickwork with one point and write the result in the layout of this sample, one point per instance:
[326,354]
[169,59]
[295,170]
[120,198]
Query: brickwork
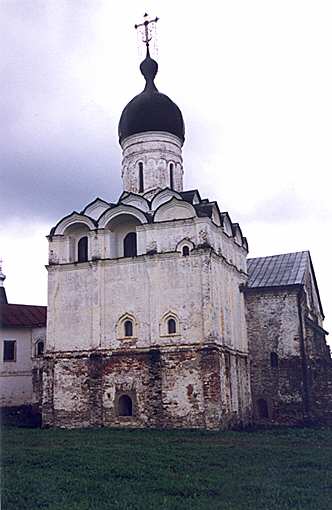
[296,386]
[319,374]
[273,327]
[179,388]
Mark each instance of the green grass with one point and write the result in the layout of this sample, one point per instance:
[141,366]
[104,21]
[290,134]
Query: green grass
[150,469]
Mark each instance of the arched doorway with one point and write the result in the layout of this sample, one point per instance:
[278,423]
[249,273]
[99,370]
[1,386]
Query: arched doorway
[130,245]
[82,249]
[125,406]
[263,410]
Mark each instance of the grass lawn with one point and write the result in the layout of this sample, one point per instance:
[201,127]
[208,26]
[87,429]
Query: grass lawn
[150,469]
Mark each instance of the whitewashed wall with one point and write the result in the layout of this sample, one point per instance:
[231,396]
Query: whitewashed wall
[16,376]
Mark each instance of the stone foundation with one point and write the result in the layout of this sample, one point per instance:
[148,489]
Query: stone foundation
[186,388]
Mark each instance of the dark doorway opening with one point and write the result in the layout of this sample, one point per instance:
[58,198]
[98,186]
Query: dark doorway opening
[262,407]
[125,406]
[82,249]
[130,245]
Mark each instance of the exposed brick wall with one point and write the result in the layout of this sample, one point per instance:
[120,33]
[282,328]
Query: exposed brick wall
[299,388]
[273,326]
[180,388]
[319,373]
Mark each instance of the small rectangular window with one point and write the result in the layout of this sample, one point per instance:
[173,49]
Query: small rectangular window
[9,350]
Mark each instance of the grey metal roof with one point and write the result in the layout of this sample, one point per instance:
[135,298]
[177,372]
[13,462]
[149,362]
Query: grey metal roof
[278,270]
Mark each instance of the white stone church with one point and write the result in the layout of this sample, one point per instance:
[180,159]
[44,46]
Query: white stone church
[155,318]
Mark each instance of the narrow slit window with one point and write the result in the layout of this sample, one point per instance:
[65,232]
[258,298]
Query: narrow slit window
[171,326]
[40,348]
[128,328]
[274,360]
[171,176]
[82,249]
[140,178]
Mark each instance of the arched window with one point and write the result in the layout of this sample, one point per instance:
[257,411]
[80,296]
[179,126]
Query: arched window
[82,249]
[171,176]
[130,245]
[262,407]
[39,348]
[125,406]
[274,360]
[128,328]
[140,177]
[185,251]
[171,326]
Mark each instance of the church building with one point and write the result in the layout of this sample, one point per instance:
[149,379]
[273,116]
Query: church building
[146,323]
[152,320]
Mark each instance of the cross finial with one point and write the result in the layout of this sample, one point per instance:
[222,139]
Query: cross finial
[147,35]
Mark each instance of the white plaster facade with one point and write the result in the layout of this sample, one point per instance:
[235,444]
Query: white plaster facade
[16,380]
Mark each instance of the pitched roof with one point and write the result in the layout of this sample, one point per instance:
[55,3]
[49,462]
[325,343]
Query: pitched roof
[22,316]
[278,270]
[188,195]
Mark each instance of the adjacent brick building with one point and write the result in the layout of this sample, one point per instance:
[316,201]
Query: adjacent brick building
[291,370]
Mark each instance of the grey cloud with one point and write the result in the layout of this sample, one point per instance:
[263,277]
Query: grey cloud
[53,181]
[286,206]
[58,150]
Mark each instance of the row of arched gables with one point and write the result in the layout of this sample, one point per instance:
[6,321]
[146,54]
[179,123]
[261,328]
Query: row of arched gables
[169,205]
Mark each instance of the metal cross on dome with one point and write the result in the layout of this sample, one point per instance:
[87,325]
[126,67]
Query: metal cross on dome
[147,35]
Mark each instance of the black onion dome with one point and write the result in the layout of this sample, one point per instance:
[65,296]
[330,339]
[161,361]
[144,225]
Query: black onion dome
[150,110]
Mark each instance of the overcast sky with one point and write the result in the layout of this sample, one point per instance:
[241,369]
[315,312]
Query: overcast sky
[253,80]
